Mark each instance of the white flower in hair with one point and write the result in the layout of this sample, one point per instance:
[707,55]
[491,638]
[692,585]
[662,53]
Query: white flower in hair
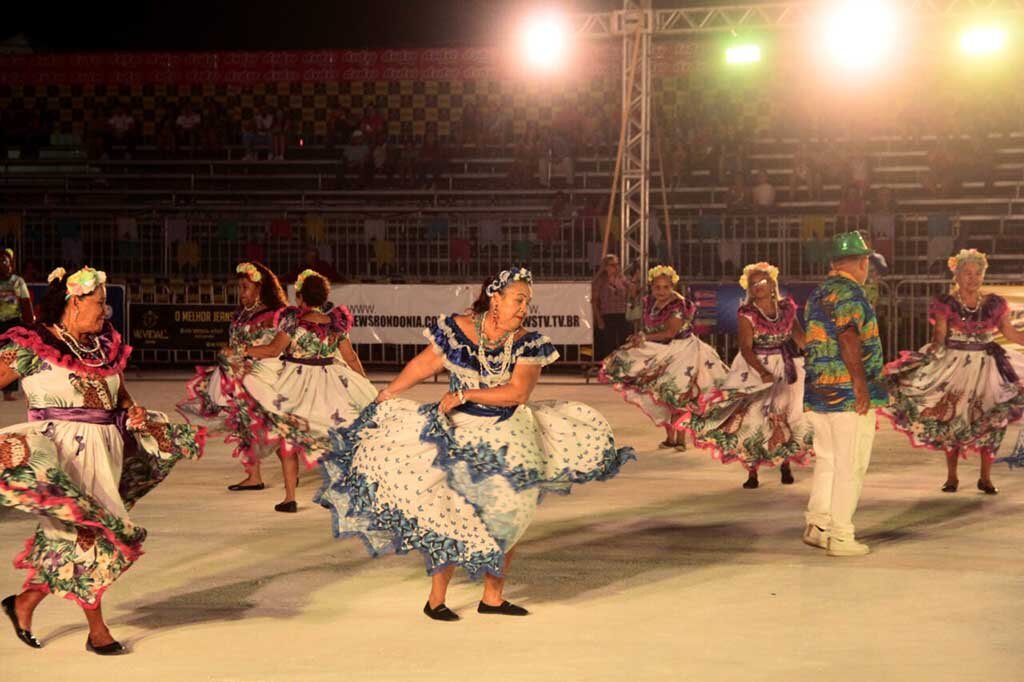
[505,277]
[58,273]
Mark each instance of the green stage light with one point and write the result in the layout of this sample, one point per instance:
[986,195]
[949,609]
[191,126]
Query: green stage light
[743,54]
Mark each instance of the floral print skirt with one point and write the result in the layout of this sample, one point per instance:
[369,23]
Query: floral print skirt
[461,489]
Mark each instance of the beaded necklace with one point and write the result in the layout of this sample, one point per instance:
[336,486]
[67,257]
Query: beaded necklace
[78,350]
[504,360]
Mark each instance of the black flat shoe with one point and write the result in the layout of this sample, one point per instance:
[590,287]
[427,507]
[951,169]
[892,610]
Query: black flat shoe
[950,486]
[25,636]
[750,483]
[787,475]
[987,488]
[238,486]
[287,507]
[666,444]
[442,612]
[506,609]
[112,649]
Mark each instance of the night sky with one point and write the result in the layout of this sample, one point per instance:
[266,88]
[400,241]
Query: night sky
[264,25]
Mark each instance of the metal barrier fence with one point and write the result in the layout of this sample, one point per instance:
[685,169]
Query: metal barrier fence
[435,246]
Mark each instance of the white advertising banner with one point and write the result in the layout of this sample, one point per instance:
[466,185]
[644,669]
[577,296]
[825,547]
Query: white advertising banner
[396,313]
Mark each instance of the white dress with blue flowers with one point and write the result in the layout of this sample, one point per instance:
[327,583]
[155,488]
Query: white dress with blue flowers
[462,488]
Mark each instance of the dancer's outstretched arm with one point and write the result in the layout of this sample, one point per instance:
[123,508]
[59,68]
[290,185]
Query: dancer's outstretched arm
[425,365]
[268,350]
[136,413]
[1010,332]
[516,392]
[799,337]
[939,332]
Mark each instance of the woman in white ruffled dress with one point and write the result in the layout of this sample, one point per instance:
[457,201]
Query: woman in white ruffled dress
[459,480]
[664,369]
[756,415]
[85,456]
[210,393]
[304,382]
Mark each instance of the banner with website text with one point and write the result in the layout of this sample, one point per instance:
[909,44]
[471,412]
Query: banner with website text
[397,313]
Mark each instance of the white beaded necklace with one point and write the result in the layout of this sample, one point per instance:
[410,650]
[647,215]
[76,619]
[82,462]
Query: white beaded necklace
[78,350]
[778,312]
[504,361]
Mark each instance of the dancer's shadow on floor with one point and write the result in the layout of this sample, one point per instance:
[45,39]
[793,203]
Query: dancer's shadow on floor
[561,569]
[915,521]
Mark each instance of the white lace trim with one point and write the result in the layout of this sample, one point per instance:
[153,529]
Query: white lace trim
[469,375]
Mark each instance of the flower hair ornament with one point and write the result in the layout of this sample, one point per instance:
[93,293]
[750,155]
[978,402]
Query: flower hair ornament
[767,268]
[506,277]
[58,273]
[663,271]
[967,256]
[250,272]
[9,252]
[303,276]
[84,282]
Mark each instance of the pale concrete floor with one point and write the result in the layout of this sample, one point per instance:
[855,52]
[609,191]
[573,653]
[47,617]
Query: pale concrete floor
[671,571]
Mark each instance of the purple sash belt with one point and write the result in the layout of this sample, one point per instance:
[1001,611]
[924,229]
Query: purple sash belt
[316,362]
[788,353]
[993,349]
[84,415]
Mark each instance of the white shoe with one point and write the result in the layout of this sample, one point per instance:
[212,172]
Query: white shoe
[815,537]
[846,547]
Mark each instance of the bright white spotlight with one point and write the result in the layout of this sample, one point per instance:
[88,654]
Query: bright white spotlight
[544,39]
[860,34]
[982,40]
[743,54]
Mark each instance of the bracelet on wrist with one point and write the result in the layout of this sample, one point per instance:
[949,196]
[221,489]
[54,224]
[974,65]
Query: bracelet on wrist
[461,396]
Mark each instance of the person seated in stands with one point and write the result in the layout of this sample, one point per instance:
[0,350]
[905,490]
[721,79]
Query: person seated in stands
[256,135]
[858,170]
[737,200]
[408,155]
[763,193]
[677,163]
[123,131]
[166,140]
[805,174]
[470,125]
[883,201]
[187,124]
[280,129]
[852,203]
[942,179]
[340,126]
[214,129]
[431,162]
[96,135]
[731,153]
[372,123]
[313,261]
[526,156]
[556,158]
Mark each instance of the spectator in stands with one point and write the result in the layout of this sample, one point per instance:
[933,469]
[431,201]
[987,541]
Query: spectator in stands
[609,296]
[942,179]
[214,129]
[340,126]
[313,261]
[188,126]
[408,157]
[763,194]
[234,122]
[36,133]
[852,203]
[166,140]
[499,127]
[561,207]
[737,199]
[731,153]
[123,131]
[677,163]
[556,159]
[280,129]
[96,135]
[858,170]
[883,201]
[525,157]
[805,174]
[470,125]
[256,134]
[432,161]
[372,124]
[381,157]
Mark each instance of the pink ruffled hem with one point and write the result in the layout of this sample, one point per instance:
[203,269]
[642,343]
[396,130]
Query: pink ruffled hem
[719,453]
[630,395]
[963,452]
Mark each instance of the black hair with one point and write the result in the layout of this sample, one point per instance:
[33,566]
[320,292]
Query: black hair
[55,301]
[483,302]
[315,290]
[271,294]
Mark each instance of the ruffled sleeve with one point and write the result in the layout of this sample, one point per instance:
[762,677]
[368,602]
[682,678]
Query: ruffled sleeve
[341,319]
[683,309]
[438,333]
[287,320]
[535,349]
[939,309]
[1000,309]
[749,313]
[23,361]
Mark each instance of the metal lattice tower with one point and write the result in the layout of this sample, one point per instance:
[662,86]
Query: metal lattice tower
[635,25]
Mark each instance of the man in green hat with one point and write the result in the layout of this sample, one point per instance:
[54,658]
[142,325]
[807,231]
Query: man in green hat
[843,364]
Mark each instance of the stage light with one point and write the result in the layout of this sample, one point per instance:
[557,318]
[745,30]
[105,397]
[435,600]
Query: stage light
[544,41]
[982,40]
[861,34]
[743,54]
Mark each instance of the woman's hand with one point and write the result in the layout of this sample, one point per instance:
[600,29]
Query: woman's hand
[449,401]
[136,416]
[384,395]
